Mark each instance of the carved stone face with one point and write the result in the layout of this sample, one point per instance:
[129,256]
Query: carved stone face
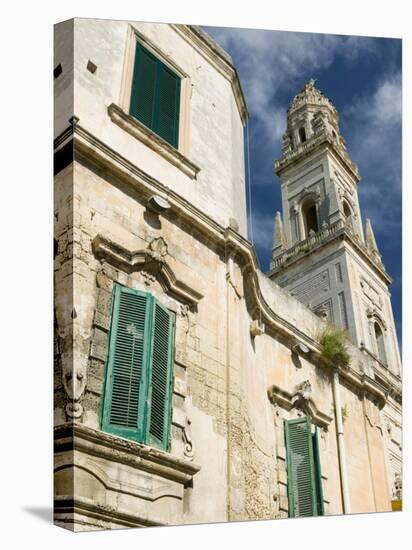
[74,377]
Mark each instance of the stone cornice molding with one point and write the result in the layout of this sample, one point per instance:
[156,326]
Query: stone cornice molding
[93,150]
[327,235]
[139,131]
[129,260]
[306,149]
[65,508]
[78,437]
[207,47]
[298,400]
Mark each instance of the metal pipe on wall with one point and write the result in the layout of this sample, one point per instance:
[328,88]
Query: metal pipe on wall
[341,444]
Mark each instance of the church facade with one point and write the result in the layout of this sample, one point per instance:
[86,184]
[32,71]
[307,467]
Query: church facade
[190,387]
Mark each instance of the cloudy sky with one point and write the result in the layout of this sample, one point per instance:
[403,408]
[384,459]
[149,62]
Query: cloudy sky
[362,77]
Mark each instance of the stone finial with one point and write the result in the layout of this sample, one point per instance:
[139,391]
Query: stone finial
[370,237]
[279,240]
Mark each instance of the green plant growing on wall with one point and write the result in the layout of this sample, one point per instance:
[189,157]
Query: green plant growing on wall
[333,346]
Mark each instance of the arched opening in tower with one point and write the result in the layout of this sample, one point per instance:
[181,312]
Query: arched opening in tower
[380,343]
[310,217]
[302,135]
[347,212]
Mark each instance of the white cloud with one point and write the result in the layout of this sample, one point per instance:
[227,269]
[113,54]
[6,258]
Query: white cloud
[271,61]
[384,107]
[374,141]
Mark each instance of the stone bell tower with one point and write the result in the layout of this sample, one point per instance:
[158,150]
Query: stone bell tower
[321,252]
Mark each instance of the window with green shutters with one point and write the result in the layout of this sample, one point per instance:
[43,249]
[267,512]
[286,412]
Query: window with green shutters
[155,96]
[303,469]
[139,371]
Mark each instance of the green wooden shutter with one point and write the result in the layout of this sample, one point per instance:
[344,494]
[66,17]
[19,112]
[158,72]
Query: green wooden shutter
[142,101]
[161,369]
[126,383]
[155,95]
[167,105]
[300,468]
[318,473]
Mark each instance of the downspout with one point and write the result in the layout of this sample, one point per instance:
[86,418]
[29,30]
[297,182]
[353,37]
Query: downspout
[341,444]
[228,443]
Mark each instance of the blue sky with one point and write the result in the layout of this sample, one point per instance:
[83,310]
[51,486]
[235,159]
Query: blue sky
[362,78]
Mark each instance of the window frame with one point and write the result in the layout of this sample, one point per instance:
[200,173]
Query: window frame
[134,36]
[380,350]
[136,102]
[308,203]
[314,465]
[141,433]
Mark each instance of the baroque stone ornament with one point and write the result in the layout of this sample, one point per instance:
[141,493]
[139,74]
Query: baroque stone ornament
[301,400]
[157,249]
[303,392]
[397,487]
[74,383]
[186,313]
[187,440]
[256,328]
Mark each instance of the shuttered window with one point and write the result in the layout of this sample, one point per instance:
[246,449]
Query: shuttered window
[139,370]
[155,95]
[303,469]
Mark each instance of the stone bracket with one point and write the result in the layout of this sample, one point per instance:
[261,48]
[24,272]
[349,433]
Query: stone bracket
[300,400]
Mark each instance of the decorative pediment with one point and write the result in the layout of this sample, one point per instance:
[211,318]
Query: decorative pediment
[300,399]
[152,260]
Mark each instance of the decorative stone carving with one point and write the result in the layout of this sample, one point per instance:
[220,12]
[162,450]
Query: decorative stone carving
[157,249]
[74,383]
[397,487]
[187,440]
[303,392]
[152,260]
[187,314]
[300,399]
[256,328]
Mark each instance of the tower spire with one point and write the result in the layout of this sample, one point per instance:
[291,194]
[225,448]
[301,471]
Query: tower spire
[370,239]
[279,240]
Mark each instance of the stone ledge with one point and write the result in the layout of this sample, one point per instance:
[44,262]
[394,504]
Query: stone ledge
[74,436]
[139,131]
[66,509]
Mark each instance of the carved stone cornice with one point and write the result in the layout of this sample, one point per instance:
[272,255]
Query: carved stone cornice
[299,399]
[78,437]
[152,259]
[66,510]
[308,147]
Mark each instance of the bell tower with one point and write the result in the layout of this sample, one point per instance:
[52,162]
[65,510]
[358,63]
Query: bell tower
[321,253]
